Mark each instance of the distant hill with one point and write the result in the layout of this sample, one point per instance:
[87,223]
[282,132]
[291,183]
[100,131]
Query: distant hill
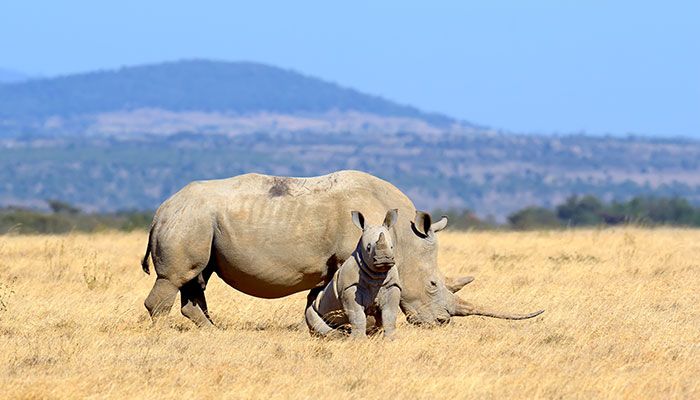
[129,138]
[10,76]
[228,89]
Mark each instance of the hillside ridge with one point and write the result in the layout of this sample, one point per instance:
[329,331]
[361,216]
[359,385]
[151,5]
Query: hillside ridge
[193,85]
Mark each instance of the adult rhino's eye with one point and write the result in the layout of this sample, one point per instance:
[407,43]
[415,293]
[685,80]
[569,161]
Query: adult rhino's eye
[369,246]
[432,287]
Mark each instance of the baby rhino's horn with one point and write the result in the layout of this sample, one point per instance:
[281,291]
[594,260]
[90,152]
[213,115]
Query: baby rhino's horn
[381,242]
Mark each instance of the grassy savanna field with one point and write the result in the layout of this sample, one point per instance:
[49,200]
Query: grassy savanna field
[622,320]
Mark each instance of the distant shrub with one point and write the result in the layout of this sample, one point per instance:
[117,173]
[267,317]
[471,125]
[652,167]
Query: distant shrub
[464,219]
[534,218]
[67,218]
[581,211]
[59,207]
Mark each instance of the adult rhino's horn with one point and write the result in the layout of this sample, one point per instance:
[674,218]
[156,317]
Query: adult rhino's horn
[464,308]
[455,284]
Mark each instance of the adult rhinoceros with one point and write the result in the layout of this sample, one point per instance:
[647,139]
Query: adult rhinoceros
[273,236]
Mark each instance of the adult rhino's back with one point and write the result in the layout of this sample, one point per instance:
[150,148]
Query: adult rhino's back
[270,236]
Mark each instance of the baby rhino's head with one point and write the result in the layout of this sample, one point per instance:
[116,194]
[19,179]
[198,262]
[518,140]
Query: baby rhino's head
[376,244]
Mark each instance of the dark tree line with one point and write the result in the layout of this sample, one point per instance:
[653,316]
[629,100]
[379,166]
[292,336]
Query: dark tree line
[583,211]
[576,211]
[590,211]
[65,218]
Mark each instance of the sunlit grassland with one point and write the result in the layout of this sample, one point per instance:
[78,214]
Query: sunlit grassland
[622,320]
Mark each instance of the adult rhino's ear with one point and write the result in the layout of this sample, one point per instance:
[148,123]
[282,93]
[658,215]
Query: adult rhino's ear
[358,219]
[440,225]
[421,226]
[391,217]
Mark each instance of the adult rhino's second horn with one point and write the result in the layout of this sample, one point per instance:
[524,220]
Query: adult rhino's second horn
[464,308]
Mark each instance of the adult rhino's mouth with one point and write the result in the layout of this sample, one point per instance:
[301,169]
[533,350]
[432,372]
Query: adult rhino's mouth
[426,318]
[437,321]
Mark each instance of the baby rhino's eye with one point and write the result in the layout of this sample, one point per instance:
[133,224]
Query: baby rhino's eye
[369,246]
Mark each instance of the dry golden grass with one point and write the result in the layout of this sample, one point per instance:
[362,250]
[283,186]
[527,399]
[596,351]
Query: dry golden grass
[622,321]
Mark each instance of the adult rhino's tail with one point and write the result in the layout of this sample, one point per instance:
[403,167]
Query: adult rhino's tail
[144,262]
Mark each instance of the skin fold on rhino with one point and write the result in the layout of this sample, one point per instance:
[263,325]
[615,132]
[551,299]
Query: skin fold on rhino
[270,237]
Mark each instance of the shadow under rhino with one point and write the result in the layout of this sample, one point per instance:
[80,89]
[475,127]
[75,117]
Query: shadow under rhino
[270,237]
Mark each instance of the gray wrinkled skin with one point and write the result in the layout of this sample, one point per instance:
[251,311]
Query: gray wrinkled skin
[272,236]
[367,284]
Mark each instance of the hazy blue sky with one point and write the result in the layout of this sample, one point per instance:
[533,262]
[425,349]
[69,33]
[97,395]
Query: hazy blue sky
[527,66]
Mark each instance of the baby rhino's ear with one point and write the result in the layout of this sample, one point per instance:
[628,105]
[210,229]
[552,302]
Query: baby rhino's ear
[358,219]
[391,217]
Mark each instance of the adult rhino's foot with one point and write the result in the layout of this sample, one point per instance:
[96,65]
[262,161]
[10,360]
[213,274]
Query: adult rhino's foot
[196,315]
[161,298]
[194,305]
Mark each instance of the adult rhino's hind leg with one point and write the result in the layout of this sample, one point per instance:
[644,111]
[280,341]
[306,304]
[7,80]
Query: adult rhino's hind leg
[194,304]
[181,247]
[161,298]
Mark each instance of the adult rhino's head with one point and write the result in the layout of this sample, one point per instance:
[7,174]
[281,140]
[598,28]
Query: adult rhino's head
[427,297]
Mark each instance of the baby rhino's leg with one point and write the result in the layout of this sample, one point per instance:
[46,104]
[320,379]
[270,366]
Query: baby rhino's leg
[390,309]
[355,312]
[317,326]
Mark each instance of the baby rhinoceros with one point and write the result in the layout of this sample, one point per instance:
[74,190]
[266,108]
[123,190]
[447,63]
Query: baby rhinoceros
[366,284]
